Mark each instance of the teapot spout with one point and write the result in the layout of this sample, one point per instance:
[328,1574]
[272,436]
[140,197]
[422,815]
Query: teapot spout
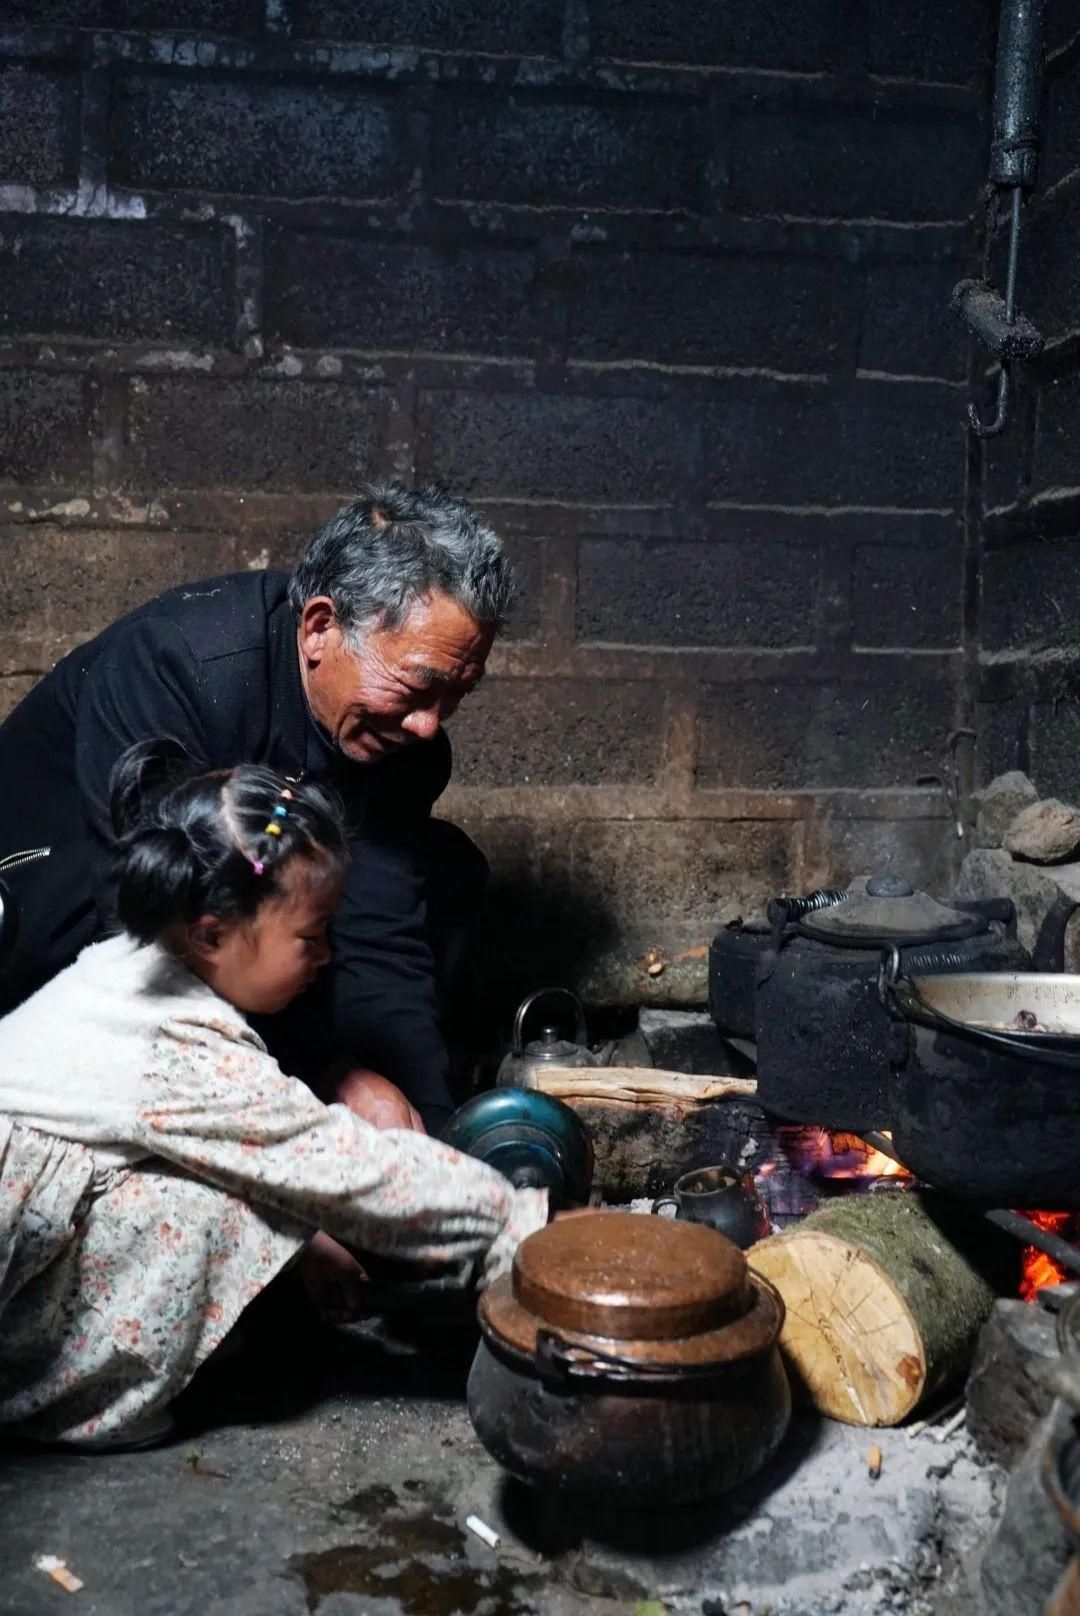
[1049,951]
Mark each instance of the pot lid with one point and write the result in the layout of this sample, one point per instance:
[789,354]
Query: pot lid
[886,908]
[656,1291]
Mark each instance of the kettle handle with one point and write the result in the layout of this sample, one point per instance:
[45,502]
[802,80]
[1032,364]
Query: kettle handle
[527,1006]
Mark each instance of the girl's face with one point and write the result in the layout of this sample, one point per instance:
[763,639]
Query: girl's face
[261,963]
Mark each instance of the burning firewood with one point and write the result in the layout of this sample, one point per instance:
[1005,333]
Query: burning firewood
[885,1297]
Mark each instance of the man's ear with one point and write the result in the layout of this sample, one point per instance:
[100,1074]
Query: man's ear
[317,625]
[204,936]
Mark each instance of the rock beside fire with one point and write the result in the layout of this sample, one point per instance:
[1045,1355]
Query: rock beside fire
[1005,1397]
[1034,888]
[998,805]
[1046,833]
[1030,1548]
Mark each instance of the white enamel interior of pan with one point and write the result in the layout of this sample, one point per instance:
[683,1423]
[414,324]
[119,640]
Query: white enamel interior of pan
[993,998]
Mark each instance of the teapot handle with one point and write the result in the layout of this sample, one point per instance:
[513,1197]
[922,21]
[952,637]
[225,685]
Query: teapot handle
[527,1006]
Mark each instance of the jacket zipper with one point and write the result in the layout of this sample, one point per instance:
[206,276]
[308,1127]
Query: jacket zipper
[13,860]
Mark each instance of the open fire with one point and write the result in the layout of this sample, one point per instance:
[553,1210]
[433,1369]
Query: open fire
[842,1163]
[827,1155]
[1039,1270]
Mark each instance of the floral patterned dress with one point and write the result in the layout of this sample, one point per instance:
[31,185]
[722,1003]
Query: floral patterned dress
[127,1254]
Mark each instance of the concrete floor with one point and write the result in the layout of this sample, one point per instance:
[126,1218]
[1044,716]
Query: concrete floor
[347,1469]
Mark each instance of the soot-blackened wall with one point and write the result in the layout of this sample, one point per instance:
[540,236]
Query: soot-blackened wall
[662,287]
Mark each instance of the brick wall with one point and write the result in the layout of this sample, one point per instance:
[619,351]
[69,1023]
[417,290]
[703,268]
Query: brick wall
[663,288]
[1029,671]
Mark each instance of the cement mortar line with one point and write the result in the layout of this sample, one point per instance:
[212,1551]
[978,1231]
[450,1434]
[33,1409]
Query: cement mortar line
[814,809]
[721,232]
[1051,515]
[512,661]
[179,509]
[74,508]
[193,50]
[720,664]
[1034,657]
[433,371]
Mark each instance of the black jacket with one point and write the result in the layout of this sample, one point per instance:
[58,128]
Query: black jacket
[215,665]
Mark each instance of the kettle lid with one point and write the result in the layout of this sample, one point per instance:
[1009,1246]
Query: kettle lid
[886,908]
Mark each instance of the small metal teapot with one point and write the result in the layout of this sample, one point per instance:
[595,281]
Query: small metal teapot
[558,1012]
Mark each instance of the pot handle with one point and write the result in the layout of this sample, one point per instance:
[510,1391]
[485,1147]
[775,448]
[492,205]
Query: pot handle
[570,1001]
[903,1001]
[665,1200]
[559,1363]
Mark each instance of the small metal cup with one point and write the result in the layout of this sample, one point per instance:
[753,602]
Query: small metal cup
[723,1198]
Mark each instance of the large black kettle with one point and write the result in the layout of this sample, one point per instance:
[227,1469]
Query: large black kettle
[804,987]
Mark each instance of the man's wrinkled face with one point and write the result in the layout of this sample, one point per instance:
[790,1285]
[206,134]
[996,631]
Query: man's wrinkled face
[400,684]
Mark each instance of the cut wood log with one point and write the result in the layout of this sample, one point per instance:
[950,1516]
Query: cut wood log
[639,1085]
[649,1126]
[885,1296]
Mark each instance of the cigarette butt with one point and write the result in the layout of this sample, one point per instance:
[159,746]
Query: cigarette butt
[656,968]
[873,1462]
[57,1569]
[951,1426]
[483,1531]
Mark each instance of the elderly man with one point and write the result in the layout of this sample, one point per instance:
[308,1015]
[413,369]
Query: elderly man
[345,671]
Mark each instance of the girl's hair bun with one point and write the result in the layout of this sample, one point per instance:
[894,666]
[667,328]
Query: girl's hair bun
[141,776]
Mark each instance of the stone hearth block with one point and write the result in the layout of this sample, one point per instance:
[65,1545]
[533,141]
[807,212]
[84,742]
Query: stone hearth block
[685,1041]
[1030,1548]
[998,805]
[1004,1399]
[992,873]
[1046,832]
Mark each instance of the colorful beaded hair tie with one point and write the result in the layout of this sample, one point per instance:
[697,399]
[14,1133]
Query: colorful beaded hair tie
[273,828]
[279,811]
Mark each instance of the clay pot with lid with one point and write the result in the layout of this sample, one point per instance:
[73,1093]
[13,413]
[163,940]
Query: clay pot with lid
[630,1356]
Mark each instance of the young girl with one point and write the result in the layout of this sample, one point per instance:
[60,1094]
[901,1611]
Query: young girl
[157,1169]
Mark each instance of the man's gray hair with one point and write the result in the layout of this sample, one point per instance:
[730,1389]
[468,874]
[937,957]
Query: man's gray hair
[388,549]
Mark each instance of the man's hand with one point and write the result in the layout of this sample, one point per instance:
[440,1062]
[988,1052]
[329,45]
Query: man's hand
[375,1100]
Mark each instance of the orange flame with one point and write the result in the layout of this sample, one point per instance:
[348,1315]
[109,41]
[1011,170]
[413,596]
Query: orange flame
[837,1155]
[1036,1268]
